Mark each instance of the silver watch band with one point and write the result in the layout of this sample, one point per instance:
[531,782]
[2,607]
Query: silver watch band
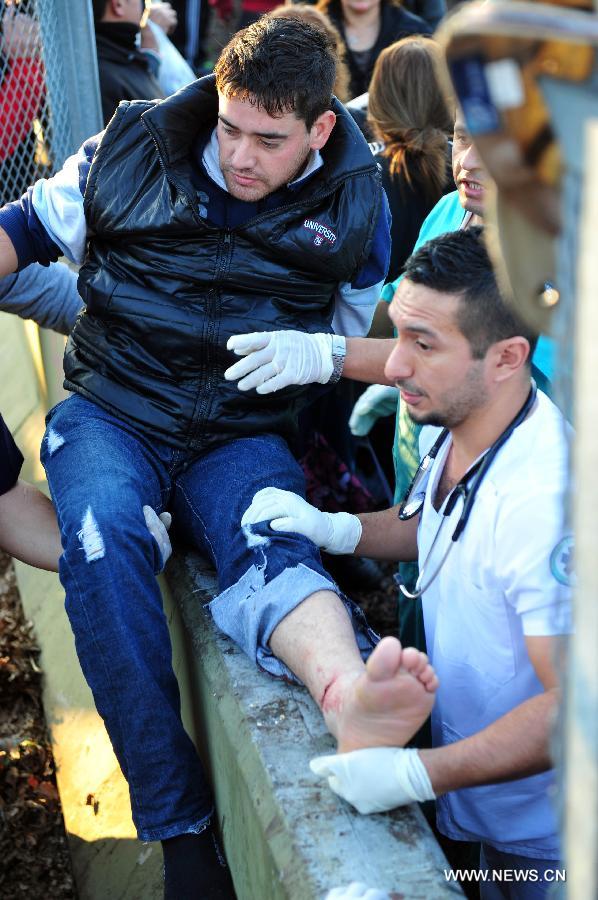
[339,351]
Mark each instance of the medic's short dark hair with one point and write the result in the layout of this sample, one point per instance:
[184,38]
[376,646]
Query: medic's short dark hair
[458,263]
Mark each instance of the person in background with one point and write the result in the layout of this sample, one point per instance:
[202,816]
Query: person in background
[309,13]
[28,527]
[126,71]
[251,10]
[174,72]
[188,36]
[410,117]
[22,91]
[431,11]
[46,294]
[367,27]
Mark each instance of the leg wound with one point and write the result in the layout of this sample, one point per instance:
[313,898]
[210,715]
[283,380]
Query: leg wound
[91,538]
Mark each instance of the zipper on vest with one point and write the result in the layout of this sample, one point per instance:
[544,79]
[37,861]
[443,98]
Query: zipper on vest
[223,260]
[197,433]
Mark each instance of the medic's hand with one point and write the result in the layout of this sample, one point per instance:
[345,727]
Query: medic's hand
[376,401]
[158,528]
[356,891]
[336,533]
[376,779]
[276,359]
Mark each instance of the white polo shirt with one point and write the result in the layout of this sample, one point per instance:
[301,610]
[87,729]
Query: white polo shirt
[506,577]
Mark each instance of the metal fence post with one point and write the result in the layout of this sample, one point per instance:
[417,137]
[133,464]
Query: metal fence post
[581,771]
[69,48]
[49,88]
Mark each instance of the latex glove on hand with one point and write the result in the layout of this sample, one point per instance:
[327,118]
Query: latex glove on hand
[376,779]
[158,528]
[356,891]
[277,359]
[376,401]
[336,533]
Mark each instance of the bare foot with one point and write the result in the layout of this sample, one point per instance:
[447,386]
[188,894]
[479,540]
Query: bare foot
[386,704]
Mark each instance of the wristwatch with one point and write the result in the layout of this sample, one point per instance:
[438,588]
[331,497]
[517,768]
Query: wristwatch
[339,351]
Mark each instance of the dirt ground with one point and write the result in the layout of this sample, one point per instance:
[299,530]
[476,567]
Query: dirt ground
[35,863]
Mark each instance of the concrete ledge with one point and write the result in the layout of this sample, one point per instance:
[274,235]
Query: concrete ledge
[287,835]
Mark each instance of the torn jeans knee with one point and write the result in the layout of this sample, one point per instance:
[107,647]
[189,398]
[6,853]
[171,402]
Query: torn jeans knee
[54,441]
[90,537]
[250,610]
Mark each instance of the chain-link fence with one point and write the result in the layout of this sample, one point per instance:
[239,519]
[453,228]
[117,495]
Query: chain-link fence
[49,94]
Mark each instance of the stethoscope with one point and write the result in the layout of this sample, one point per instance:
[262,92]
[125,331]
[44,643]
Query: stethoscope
[466,489]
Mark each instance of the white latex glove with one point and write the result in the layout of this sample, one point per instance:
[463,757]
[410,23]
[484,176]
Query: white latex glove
[276,359]
[158,528]
[376,401]
[336,533]
[376,779]
[356,891]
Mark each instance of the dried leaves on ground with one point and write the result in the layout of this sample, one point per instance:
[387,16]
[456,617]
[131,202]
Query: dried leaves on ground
[33,849]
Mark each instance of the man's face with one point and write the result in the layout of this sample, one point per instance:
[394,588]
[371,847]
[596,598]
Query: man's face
[468,171]
[260,153]
[129,11]
[431,363]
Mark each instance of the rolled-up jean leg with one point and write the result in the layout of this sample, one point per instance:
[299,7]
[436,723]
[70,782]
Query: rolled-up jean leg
[263,574]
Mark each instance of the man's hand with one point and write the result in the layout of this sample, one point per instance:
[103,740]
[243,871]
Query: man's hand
[163,15]
[337,533]
[276,359]
[376,779]
[376,401]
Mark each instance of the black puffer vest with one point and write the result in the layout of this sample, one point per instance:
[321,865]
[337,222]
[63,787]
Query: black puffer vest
[164,289]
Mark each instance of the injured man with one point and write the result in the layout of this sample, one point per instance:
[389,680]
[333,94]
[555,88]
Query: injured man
[193,218]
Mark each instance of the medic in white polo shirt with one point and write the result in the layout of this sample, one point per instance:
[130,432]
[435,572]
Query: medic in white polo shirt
[485,519]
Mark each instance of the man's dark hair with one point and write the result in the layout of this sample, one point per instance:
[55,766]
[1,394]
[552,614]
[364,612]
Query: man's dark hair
[458,263]
[99,8]
[283,65]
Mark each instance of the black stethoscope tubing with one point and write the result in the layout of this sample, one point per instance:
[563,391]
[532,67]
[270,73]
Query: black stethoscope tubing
[473,477]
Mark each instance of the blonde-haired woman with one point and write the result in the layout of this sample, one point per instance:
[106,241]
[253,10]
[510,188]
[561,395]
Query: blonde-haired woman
[411,118]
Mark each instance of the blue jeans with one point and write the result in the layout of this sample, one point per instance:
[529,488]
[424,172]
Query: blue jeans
[512,865]
[101,472]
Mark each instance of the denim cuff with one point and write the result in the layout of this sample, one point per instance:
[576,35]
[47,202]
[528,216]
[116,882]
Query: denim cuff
[250,610]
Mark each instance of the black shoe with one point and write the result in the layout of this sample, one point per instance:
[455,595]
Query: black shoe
[195,868]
